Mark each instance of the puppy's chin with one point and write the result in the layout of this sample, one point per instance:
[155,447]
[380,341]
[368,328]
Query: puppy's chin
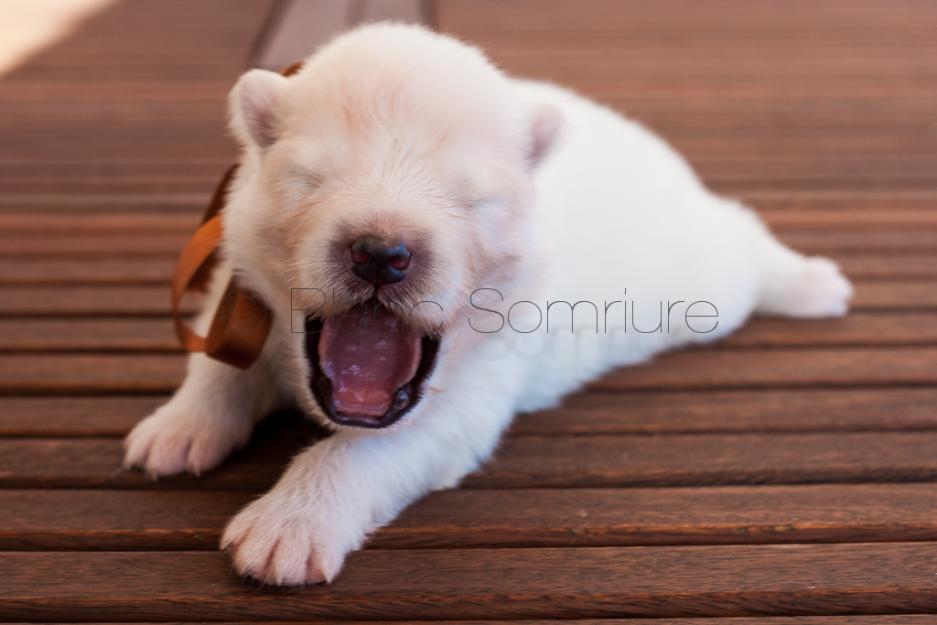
[367,366]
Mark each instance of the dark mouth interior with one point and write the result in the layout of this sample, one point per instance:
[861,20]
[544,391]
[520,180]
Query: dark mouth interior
[367,367]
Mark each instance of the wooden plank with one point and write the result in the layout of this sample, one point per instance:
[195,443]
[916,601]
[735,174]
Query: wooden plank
[709,368]
[40,222]
[667,516]
[856,329]
[793,410]
[88,300]
[293,30]
[714,368]
[193,520]
[744,411]
[539,583]
[650,412]
[97,334]
[135,270]
[201,141]
[74,416]
[684,460]
[804,172]
[80,203]
[590,65]
[97,462]
[92,245]
[109,520]
[824,241]
[157,335]
[858,26]
[85,373]
[862,207]
[526,461]
[870,265]
[140,167]
[894,294]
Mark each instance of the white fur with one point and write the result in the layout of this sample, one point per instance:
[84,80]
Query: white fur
[517,186]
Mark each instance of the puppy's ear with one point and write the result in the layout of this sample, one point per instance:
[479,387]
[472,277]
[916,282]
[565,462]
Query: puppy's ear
[546,123]
[253,106]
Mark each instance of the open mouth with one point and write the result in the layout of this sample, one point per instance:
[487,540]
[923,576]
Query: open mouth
[368,366]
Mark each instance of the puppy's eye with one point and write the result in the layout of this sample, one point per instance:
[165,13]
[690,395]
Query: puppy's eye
[298,185]
[309,180]
[487,205]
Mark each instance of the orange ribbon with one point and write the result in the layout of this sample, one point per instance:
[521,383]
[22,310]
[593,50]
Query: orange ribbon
[242,322]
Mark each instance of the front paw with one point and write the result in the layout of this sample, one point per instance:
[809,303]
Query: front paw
[280,542]
[182,438]
[823,291]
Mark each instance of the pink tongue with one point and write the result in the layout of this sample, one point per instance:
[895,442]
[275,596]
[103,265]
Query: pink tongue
[368,354]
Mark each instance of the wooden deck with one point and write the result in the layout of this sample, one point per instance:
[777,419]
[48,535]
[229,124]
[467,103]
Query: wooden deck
[788,471]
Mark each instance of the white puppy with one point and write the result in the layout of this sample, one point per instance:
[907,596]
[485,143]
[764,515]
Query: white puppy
[422,226]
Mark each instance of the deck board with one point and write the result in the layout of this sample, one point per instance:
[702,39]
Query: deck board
[790,470]
[114,373]
[105,519]
[431,583]
[635,412]
[543,461]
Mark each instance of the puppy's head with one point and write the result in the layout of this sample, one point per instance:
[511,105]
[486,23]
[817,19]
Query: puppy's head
[381,185]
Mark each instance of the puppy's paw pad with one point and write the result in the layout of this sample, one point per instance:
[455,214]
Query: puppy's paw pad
[275,547]
[822,290]
[172,441]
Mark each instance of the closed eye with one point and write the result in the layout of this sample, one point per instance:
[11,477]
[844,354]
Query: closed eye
[297,185]
[488,205]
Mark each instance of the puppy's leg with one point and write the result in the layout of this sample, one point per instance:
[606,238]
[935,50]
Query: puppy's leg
[795,285]
[211,415]
[338,491]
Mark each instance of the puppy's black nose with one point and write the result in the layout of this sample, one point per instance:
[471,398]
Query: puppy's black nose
[379,261]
